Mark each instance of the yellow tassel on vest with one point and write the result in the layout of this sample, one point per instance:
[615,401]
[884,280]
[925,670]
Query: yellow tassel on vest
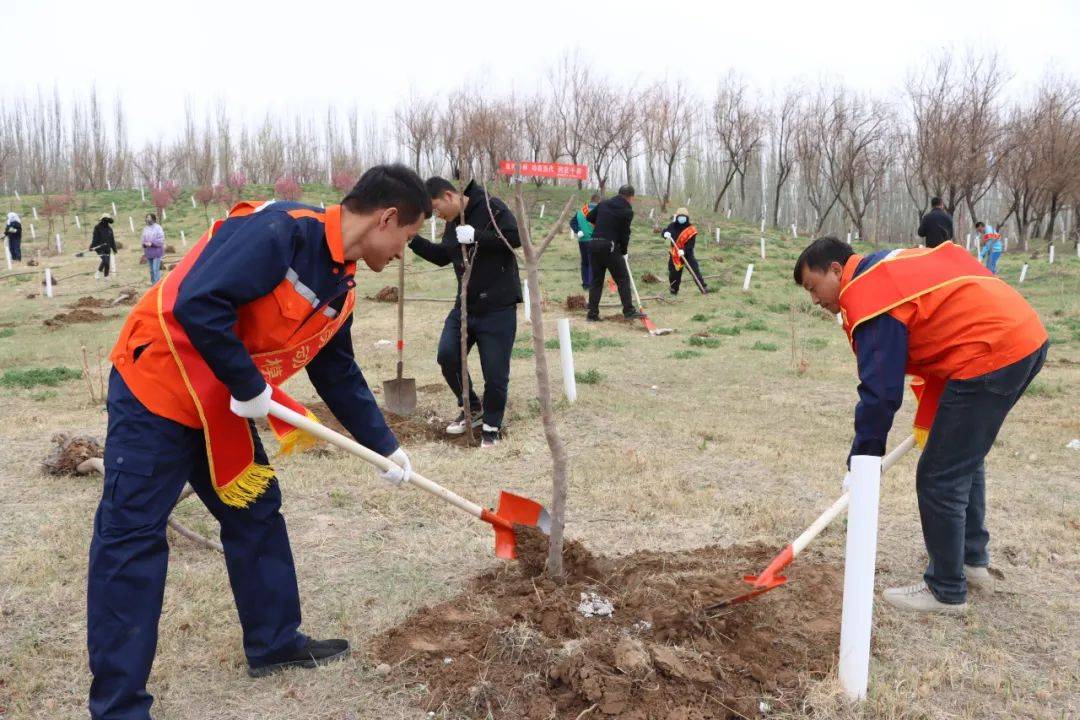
[921,434]
[246,487]
[297,440]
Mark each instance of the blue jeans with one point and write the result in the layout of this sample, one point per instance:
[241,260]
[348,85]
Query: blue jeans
[148,459]
[992,261]
[586,272]
[493,333]
[951,477]
[155,269]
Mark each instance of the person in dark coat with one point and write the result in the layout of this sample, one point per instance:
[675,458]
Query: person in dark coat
[607,252]
[936,225]
[103,243]
[13,233]
[493,292]
[681,237]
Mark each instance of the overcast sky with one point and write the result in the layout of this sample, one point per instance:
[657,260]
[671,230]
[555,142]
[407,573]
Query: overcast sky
[295,55]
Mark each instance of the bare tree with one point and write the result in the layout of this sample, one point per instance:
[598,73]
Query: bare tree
[570,87]
[739,126]
[783,123]
[667,130]
[416,126]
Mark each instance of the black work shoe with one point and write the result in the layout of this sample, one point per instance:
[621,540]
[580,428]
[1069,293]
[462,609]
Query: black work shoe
[315,653]
[592,318]
[636,315]
[490,436]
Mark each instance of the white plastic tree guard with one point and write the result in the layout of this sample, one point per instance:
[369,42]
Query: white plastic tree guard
[566,353]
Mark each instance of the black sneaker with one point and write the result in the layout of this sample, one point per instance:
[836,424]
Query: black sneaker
[635,315]
[315,653]
[592,318]
[490,436]
[458,426]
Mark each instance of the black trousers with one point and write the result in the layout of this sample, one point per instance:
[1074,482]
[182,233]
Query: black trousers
[15,246]
[103,266]
[675,275]
[605,257]
[493,332]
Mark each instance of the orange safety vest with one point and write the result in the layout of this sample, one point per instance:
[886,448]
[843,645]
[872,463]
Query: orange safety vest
[172,380]
[688,234]
[962,320]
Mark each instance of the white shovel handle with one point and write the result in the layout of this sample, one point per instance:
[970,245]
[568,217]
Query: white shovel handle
[841,504]
[351,446]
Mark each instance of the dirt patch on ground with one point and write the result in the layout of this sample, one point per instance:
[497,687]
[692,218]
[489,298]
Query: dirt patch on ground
[69,452]
[89,302]
[423,426]
[432,388]
[79,315]
[576,302]
[649,278]
[515,644]
[126,298]
[388,294]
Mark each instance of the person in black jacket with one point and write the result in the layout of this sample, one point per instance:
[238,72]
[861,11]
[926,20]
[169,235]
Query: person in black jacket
[607,251]
[493,293]
[681,237]
[13,233]
[103,243]
[936,225]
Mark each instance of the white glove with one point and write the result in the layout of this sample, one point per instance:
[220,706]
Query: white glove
[398,475]
[667,236]
[256,407]
[682,253]
[847,481]
[466,234]
[580,233]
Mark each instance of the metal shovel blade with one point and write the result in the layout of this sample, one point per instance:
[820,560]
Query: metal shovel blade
[399,395]
[517,510]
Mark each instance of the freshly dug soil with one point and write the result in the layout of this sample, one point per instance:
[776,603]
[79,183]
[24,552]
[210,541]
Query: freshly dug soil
[576,302]
[649,278]
[515,645]
[55,281]
[69,452]
[89,302]
[126,298]
[170,250]
[79,315]
[422,426]
[388,294]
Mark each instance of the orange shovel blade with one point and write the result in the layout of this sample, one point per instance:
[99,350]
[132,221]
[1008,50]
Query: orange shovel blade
[516,510]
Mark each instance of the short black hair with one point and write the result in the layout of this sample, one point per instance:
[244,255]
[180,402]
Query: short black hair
[595,198]
[390,186]
[627,191]
[436,186]
[822,253]
[152,216]
[979,222]
[936,202]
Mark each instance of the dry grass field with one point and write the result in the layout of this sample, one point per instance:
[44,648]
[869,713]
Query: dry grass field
[734,437]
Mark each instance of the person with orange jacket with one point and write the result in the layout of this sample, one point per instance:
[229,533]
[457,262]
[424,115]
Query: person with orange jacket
[265,293]
[972,344]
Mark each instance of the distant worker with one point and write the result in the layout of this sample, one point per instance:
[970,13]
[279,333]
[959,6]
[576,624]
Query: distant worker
[681,237]
[989,246]
[153,242]
[973,344]
[607,252]
[103,242]
[936,226]
[583,230]
[13,233]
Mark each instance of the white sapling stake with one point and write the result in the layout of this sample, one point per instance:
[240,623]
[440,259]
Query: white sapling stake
[183,240]
[525,298]
[59,245]
[35,212]
[131,223]
[567,354]
[193,201]
[17,195]
[1023,272]
[112,264]
[48,282]
[164,215]
[728,214]
[967,245]
[542,206]
[142,193]
[7,252]
[651,213]
[746,280]
[762,248]
[849,238]
[717,236]
[114,209]
[861,551]
[762,224]
[794,231]
[33,232]
[1051,254]
[78,225]
[108,183]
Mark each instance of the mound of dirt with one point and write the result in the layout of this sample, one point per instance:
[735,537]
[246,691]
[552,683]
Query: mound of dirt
[649,278]
[31,263]
[55,281]
[69,452]
[576,302]
[423,426]
[89,302]
[79,315]
[388,295]
[170,250]
[129,297]
[515,644]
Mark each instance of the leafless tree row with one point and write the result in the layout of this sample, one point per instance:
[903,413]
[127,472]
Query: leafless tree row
[823,158]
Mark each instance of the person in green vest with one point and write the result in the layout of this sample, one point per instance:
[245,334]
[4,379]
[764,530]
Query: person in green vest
[583,229]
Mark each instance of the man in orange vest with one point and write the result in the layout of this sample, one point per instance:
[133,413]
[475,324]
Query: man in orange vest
[973,344]
[265,293]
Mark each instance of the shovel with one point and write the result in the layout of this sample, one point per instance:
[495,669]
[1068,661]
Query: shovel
[768,579]
[649,324]
[512,509]
[697,280]
[399,394]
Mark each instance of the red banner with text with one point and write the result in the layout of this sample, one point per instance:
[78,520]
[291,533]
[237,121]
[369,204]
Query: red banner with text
[560,171]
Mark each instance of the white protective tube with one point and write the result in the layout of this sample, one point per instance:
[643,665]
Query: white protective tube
[33,232]
[114,209]
[131,223]
[35,212]
[566,353]
[183,240]
[78,224]
[525,300]
[112,264]
[7,252]
[48,282]
[762,248]
[542,206]
[1023,272]
[1051,254]
[193,202]
[746,280]
[718,235]
[59,245]
[857,617]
